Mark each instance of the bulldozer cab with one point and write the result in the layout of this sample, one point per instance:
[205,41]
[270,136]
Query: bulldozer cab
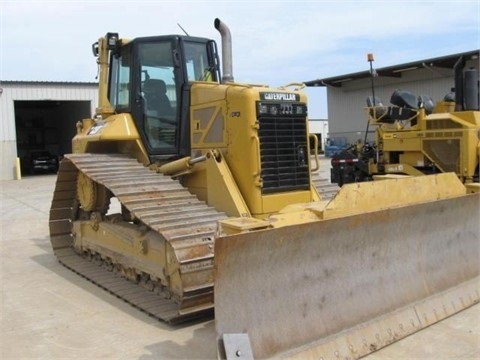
[149,78]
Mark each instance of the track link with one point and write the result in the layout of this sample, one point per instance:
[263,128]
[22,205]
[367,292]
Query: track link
[159,203]
[326,189]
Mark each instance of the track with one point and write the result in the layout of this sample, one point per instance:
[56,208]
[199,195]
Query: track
[326,189]
[156,202]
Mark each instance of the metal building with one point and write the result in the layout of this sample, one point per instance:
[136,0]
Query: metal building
[346,94]
[40,116]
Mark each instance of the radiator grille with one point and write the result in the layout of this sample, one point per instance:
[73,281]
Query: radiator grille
[442,124]
[444,153]
[283,154]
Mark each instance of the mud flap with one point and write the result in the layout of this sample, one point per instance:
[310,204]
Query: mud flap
[348,286]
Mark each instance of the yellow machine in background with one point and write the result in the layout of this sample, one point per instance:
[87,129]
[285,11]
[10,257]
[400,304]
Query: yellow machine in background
[185,182]
[414,136]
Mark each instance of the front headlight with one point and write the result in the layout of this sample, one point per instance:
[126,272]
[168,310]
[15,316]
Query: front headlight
[262,109]
[273,110]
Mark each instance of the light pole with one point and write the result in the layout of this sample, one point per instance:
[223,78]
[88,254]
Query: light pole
[370,59]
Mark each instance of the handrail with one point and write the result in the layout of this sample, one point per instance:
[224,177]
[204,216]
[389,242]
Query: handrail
[257,150]
[315,143]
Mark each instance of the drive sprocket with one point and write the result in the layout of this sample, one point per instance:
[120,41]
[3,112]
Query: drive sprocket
[91,195]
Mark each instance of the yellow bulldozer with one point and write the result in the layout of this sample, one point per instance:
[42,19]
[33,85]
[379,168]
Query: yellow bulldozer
[188,193]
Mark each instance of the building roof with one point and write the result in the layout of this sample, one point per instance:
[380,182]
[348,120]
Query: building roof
[396,70]
[21,82]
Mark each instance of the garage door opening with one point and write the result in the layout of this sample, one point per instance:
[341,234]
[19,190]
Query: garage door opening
[46,127]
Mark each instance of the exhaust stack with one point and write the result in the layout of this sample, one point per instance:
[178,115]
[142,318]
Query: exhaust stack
[458,73]
[227,72]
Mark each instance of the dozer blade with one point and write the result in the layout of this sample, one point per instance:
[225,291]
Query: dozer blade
[347,286]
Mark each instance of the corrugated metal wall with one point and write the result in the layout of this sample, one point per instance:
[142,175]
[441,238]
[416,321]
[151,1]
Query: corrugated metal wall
[11,91]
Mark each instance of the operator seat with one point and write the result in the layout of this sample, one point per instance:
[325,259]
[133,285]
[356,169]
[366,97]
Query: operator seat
[156,95]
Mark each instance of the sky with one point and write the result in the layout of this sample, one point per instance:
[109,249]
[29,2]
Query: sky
[274,42]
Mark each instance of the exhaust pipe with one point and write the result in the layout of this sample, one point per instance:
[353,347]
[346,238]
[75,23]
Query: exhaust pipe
[472,95]
[458,74]
[226,50]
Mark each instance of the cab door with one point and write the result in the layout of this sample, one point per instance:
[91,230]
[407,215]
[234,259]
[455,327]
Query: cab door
[157,79]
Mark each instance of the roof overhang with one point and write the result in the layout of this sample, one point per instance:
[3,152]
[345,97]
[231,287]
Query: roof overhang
[396,71]
[47,83]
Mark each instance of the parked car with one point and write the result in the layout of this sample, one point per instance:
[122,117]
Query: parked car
[42,161]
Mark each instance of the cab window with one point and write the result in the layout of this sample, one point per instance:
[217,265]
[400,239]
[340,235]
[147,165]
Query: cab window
[120,79]
[196,58]
[159,94]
